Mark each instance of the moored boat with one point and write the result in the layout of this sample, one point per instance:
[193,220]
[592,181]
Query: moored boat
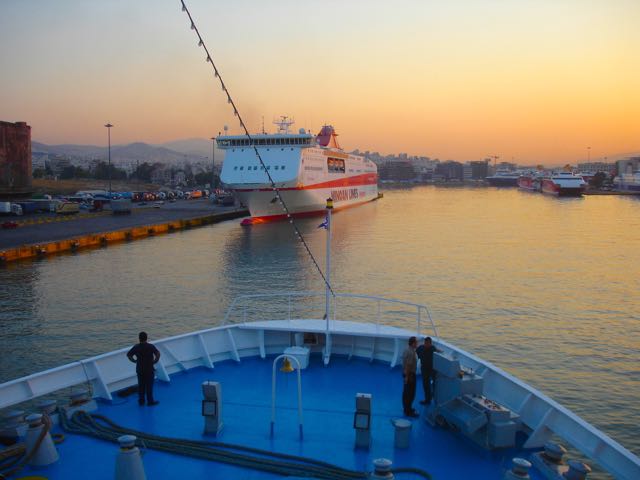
[530,181]
[564,184]
[504,178]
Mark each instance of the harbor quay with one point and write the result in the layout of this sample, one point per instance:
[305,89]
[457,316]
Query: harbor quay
[43,235]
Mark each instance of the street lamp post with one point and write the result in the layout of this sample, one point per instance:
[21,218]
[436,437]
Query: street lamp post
[213,163]
[108,125]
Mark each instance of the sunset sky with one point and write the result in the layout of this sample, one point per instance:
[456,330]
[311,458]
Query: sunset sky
[538,81]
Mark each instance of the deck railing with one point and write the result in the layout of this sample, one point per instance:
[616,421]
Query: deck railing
[254,307]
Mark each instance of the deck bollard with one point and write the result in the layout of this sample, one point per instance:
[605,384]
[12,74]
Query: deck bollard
[402,434]
[41,451]
[129,462]
[519,471]
[382,469]
[577,470]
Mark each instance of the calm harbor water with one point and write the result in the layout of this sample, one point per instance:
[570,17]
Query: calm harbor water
[545,288]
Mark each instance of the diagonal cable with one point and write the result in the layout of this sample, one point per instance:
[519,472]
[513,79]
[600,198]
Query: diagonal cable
[275,189]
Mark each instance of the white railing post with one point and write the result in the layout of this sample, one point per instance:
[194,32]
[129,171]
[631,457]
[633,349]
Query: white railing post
[418,321]
[379,315]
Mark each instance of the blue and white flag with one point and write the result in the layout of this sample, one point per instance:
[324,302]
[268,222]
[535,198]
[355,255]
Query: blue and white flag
[324,224]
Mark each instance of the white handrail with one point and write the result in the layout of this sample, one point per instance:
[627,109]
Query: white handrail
[379,300]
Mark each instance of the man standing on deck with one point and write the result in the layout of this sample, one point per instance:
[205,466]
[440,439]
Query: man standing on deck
[409,366]
[425,354]
[145,356]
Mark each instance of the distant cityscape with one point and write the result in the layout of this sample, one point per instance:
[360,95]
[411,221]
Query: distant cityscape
[186,163]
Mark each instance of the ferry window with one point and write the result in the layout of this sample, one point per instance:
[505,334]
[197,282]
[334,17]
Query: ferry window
[269,167]
[335,165]
[241,168]
[276,167]
[282,167]
[255,167]
[235,168]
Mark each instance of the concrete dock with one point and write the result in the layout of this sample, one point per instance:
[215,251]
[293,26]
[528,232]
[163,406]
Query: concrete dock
[44,234]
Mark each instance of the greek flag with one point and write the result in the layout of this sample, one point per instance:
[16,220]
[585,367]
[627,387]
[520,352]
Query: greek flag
[324,224]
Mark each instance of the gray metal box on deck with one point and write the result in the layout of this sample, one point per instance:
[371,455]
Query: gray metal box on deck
[464,416]
[448,388]
[502,434]
[445,366]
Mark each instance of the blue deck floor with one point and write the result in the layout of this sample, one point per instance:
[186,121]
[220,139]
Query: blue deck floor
[328,401]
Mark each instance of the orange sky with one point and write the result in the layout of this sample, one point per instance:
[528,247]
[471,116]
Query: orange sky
[538,81]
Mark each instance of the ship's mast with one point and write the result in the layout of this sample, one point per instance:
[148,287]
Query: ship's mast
[283,124]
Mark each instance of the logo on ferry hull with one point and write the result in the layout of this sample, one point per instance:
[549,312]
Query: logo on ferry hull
[342,195]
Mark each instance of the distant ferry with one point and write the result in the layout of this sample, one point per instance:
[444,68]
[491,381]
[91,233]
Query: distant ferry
[504,178]
[627,182]
[564,184]
[530,181]
[307,170]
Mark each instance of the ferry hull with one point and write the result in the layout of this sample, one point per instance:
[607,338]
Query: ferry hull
[264,206]
[551,188]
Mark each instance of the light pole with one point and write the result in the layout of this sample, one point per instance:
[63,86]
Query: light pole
[213,163]
[108,125]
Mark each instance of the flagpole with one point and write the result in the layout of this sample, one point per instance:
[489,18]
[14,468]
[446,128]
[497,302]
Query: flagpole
[327,271]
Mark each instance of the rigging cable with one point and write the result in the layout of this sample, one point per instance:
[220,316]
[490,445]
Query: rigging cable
[274,187]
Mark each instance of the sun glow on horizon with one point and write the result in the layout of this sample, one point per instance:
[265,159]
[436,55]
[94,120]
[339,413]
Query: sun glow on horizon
[535,81]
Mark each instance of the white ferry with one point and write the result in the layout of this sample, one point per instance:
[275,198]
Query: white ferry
[306,169]
[567,184]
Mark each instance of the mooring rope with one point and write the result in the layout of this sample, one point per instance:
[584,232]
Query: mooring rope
[99,426]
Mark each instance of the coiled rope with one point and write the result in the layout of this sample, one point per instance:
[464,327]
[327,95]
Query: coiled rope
[101,427]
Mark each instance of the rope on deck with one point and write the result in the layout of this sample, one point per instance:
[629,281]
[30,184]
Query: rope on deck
[101,427]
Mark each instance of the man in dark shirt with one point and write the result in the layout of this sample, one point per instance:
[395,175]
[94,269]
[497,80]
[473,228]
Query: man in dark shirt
[144,355]
[425,354]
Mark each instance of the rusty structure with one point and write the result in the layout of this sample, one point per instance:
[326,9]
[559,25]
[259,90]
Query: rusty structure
[15,159]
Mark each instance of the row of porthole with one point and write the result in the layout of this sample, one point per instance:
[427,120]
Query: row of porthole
[268,149]
[255,167]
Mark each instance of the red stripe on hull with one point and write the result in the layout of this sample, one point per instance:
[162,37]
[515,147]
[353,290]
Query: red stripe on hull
[364,179]
[315,213]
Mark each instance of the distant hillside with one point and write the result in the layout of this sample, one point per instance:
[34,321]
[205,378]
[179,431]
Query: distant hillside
[190,146]
[133,152]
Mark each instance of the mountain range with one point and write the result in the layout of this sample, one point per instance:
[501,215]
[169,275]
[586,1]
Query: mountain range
[179,151]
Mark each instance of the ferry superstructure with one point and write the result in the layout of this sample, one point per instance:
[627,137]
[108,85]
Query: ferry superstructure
[306,169]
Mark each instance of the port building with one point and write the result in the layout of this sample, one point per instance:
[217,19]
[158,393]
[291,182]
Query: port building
[15,159]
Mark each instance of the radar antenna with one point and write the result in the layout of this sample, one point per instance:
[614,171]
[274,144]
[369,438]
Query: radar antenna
[283,124]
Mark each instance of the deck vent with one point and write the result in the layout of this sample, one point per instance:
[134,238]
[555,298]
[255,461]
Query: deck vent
[212,407]
[382,469]
[44,451]
[362,420]
[129,462]
[519,471]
